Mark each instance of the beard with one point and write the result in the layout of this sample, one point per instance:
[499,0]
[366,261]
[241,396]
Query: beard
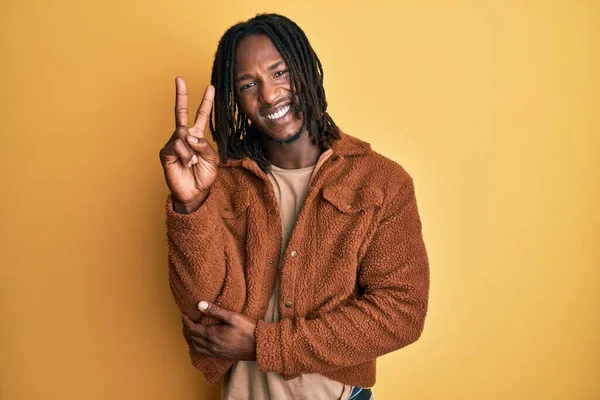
[289,140]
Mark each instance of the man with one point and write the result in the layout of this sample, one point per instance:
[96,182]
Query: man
[295,253]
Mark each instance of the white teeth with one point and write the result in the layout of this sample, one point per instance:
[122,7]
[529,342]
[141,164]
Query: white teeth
[278,114]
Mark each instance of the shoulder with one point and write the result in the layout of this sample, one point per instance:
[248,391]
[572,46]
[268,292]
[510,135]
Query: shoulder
[370,166]
[385,169]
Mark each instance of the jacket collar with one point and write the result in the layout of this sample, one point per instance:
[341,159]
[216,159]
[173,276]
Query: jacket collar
[350,146]
[346,146]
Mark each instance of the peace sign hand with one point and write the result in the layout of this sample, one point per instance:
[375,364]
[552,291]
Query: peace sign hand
[189,162]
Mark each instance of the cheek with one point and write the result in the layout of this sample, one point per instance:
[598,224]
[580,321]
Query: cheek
[246,104]
[288,86]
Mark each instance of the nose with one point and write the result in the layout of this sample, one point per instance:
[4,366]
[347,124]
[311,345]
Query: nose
[269,92]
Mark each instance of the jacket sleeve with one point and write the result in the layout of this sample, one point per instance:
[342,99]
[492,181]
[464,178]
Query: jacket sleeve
[197,270]
[390,313]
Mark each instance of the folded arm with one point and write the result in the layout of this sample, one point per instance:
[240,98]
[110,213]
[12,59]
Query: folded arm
[197,271]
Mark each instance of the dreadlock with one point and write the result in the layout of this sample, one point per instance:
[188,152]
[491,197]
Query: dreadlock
[231,129]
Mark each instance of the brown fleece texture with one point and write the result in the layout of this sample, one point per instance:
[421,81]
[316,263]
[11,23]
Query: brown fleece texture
[354,277]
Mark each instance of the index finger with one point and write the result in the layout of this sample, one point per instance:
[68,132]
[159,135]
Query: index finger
[203,113]
[181,102]
[192,327]
[187,322]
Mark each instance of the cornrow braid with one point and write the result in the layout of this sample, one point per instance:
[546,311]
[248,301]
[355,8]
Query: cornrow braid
[231,129]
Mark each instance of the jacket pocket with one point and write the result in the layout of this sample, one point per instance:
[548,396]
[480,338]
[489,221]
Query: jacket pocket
[350,200]
[233,208]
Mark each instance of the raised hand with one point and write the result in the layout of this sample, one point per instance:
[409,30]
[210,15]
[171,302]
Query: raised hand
[189,162]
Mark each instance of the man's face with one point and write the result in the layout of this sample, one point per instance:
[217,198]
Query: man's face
[263,89]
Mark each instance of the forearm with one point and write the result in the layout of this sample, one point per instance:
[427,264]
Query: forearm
[196,257]
[361,330]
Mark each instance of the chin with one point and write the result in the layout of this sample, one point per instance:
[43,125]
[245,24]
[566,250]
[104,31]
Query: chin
[288,137]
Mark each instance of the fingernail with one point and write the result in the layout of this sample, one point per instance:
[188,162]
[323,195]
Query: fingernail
[194,159]
[189,164]
[203,305]
[192,139]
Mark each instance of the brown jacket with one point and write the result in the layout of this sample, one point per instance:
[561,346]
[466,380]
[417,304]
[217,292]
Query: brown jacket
[354,277]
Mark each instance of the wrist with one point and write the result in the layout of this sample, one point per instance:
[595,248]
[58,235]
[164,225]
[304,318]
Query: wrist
[189,206]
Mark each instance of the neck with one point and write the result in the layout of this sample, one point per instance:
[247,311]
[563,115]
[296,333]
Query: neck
[299,154]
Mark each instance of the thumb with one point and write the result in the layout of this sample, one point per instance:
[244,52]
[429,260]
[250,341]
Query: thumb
[217,312]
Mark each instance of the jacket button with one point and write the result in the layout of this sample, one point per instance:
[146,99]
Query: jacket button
[294,254]
[288,304]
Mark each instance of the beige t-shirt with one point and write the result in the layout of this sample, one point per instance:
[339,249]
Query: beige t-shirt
[245,381]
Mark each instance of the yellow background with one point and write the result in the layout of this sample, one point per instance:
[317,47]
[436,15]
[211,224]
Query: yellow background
[492,106]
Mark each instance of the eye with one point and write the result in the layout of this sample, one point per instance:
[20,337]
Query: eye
[280,73]
[247,86]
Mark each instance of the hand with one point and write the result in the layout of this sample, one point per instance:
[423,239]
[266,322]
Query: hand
[232,340]
[189,162]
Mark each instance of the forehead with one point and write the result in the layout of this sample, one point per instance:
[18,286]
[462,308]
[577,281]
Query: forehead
[255,51]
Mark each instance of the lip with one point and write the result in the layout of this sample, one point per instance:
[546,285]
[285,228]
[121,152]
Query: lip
[273,110]
[282,121]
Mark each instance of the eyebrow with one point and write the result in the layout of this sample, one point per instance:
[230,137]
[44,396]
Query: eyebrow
[270,68]
[276,65]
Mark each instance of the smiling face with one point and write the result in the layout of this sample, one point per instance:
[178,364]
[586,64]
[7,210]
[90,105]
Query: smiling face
[263,90]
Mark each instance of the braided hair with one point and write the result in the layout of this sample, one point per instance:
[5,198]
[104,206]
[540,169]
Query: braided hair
[231,129]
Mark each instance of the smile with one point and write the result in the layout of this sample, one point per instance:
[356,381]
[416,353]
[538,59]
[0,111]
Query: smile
[279,113]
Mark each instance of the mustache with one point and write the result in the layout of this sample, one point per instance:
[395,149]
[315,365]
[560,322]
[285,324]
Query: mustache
[292,99]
